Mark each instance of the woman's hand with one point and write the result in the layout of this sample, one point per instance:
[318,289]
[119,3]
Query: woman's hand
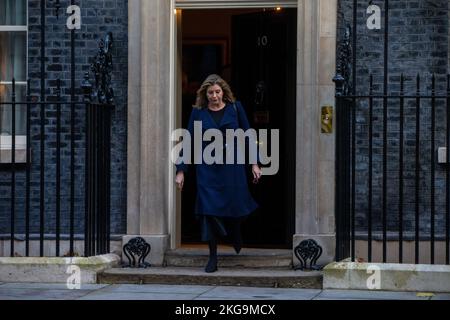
[179,180]
[257,173]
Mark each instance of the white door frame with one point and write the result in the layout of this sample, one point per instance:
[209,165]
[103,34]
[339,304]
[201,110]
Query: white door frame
[176,6]
[151,191]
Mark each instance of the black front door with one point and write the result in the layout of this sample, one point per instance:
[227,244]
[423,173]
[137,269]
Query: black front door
[264,79]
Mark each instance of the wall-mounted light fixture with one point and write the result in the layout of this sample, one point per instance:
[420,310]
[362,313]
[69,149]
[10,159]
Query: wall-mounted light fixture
[327,119]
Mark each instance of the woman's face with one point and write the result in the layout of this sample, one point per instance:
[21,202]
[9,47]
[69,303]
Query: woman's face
[214,94]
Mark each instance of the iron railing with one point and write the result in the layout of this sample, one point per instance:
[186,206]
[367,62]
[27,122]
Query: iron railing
[392,193]
[65,139]
[96,132]
[391,186]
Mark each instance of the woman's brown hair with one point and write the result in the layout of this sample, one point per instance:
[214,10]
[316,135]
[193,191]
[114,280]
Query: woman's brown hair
[201,100]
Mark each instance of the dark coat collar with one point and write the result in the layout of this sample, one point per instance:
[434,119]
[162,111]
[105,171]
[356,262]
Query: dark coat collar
[229,116]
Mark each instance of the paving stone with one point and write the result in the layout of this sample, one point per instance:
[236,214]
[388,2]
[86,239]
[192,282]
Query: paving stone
[367,295]
[99,295]
[39,294]
[441,296]
[238,293]
[156,288]
[51,286]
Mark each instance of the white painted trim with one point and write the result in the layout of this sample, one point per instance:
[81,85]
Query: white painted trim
[13,28]
[6,142]
[230,4]
[6,149]
[10,82]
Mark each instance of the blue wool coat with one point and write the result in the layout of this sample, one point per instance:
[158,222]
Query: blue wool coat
[222,189]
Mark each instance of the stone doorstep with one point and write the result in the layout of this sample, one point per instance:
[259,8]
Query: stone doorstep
[287,278]
[54,270]
[389,276]
[247,258]
[250,268]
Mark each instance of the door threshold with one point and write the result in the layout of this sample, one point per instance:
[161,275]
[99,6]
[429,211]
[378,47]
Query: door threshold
[201,249]
[202,245]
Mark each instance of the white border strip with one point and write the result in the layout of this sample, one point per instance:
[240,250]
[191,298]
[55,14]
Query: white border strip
[13,28]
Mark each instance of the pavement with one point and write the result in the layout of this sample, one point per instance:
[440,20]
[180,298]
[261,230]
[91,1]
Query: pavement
[42,291]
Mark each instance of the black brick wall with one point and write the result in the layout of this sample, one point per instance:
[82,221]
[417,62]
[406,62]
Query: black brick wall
[418,44]
[419,40]
[98,17]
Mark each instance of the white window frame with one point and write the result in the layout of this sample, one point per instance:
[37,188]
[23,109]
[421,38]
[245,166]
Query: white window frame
[21,140]
[6,149]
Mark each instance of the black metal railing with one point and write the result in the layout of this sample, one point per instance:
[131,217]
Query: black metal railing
[47,133]
[58,137]
[392,193]
[98,186]
[42,195]
[393,173]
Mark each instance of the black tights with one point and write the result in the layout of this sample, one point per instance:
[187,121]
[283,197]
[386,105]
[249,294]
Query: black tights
[212,261]
[215,230]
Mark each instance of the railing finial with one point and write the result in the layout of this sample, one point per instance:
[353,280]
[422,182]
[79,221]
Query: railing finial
[102,68]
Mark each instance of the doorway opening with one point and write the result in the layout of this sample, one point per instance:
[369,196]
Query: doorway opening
[255,51]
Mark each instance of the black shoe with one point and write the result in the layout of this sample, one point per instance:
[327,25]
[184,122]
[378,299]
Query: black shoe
[237,247]
[211,266]
[237,242]
[235,235]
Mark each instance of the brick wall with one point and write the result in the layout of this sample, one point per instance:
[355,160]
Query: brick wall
[418,44]
[98,17]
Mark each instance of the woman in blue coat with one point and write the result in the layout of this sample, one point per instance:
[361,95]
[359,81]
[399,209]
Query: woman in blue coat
[223,198]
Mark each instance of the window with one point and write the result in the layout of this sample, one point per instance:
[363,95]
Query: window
[13,63]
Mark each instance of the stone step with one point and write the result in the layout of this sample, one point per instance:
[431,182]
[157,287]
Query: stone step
[276,278]
[247,258]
